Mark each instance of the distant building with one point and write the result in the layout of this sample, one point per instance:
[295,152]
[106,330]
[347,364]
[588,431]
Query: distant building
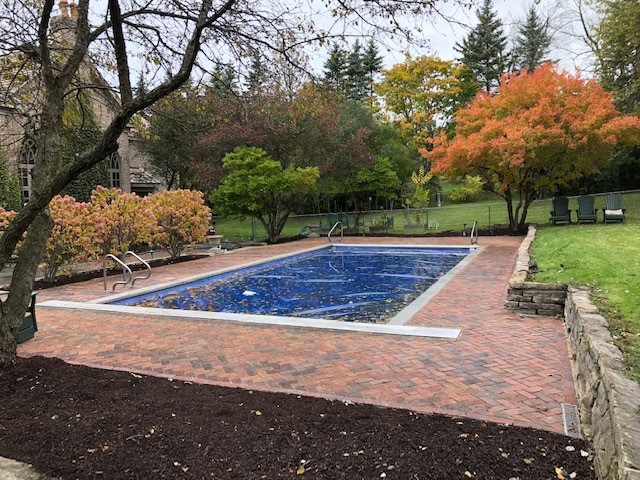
[128,169]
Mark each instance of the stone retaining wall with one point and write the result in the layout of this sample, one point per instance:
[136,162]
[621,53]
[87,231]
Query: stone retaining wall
[609,401]
[531,297]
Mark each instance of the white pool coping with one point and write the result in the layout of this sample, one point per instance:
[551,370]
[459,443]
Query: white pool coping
[433,332]
[395,326]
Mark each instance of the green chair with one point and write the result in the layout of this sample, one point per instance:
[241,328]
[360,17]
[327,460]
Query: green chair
[29,325]
[613,211]
[560,212]
[586,211]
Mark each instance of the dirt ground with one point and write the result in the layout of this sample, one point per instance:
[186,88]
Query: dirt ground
[76,422]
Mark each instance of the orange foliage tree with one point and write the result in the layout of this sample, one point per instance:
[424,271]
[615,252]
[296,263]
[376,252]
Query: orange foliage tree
[539,131]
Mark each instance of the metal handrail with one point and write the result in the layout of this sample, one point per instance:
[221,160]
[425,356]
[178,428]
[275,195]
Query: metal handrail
[333,228]
[137,257]
[125,270]
[474,233]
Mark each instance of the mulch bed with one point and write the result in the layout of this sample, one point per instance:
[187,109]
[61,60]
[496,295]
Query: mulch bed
[91,274]
[78,422]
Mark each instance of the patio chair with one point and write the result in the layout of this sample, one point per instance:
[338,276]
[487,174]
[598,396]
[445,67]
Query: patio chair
[613,211]
[29,326]
[586,211]
[560,212]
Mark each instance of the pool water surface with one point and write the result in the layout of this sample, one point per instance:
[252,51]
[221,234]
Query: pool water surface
[348,283]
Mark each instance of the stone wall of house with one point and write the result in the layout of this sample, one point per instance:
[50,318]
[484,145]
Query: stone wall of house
[533,298]
[609,402]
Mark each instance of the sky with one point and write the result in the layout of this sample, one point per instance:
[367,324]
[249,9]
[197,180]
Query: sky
[568,49]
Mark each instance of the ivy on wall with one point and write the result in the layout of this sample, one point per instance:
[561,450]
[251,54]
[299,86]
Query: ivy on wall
[81,133]
[10,195]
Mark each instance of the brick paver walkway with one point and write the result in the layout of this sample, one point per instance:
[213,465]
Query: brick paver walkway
[503,367]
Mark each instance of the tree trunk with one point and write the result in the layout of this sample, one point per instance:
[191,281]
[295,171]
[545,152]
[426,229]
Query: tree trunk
[12,310]
[513,222]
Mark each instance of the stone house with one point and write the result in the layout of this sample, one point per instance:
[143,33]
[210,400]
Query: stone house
[128,168]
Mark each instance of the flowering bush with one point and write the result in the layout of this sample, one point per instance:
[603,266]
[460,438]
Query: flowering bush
[181,218]
[73,237]
[121,219]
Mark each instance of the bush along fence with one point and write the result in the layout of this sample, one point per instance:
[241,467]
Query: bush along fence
[533,298]
[114,222]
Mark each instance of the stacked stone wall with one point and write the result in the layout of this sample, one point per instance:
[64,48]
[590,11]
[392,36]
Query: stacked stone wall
[609,402]
[533,298]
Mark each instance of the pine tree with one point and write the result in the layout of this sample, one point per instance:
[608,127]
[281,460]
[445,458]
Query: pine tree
[484,50]
[141,86]
[372,62]
[334,68]
[532,42]
[223,79]
[258,75]
[357,85]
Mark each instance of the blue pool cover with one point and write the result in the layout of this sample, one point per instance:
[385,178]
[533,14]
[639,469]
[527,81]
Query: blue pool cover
[349,283]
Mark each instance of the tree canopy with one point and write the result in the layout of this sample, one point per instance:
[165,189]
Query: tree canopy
[258,186]
[539,131]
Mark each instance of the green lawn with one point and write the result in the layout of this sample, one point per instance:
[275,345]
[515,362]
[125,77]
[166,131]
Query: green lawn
[447,217]
[606,258]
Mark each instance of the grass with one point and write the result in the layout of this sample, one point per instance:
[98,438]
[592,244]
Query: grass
[605,258]
[488,212]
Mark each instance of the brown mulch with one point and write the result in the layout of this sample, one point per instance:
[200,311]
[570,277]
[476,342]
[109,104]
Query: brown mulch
[91,274]
[78,422]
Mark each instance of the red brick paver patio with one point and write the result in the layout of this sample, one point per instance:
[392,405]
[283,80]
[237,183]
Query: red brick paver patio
[501,368]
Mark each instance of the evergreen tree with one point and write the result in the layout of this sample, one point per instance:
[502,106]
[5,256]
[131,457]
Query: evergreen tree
[484,49]
[258,75]
[334,68]
[372,62]
[357,85]
[223,79]
[141,86]
[532,42]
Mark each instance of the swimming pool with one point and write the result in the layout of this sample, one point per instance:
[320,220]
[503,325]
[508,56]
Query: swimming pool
[367,284]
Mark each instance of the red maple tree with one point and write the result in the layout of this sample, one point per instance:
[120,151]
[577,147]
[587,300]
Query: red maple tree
[539,131]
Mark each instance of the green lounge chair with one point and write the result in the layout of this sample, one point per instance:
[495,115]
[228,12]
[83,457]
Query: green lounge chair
[29,326]
[586,211]
[613,211]
[560,212]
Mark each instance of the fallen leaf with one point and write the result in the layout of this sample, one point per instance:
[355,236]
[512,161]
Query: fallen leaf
[468,474]
[258,413]
[135,375]
[528,461]
[300,470]
[561,473]
[463,435]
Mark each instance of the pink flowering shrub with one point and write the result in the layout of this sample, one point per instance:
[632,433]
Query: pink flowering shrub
[73,237]
[181,218]
[122,220]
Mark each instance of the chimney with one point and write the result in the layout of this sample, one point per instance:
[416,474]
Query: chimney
[64,11]
[74,11]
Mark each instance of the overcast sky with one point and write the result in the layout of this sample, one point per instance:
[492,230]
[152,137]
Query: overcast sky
[442,35]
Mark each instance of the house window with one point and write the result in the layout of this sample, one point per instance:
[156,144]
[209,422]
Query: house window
[27,162]
[114,170]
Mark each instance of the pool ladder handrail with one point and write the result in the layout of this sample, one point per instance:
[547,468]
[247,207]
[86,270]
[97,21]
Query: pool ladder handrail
[126,272]
[333,228]
[141,260]
[474,233]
